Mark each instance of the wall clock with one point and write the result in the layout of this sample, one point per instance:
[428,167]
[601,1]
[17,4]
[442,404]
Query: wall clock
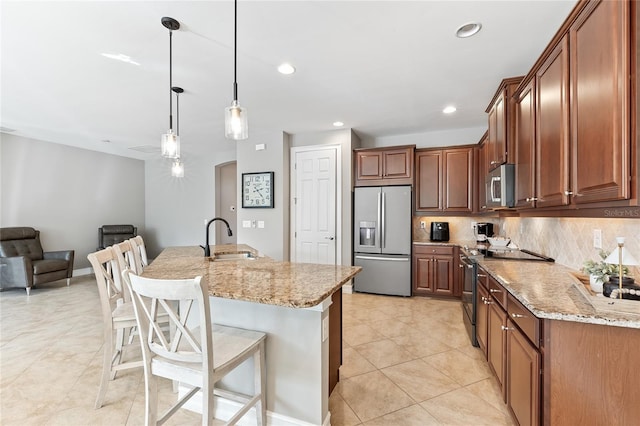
[257,190]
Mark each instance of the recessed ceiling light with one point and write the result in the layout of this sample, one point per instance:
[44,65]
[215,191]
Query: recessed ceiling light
[286,69]
[338,123]
[467,30]
[449,110]
[106,141]
[120,57]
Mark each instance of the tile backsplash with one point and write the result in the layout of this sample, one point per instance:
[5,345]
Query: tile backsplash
[568,240]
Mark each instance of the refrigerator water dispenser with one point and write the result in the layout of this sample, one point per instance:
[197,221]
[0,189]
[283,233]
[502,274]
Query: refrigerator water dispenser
[368,234]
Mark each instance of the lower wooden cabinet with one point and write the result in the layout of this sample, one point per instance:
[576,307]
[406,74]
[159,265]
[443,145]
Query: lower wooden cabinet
[496,342]
[522,377]
[510,337]
[434,271]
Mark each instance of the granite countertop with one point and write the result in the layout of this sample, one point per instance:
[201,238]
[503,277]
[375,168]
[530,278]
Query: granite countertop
[259,280]
[548,290]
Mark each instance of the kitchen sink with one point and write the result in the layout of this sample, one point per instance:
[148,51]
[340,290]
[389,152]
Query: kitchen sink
[232,256]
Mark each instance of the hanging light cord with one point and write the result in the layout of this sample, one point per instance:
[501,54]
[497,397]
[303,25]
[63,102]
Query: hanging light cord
[235,50]
[178,113]
[170,81]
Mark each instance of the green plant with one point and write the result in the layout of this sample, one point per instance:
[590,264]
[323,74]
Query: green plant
[600,269]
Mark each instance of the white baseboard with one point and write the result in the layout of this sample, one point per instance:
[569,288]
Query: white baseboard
[82,271]
[348,288]
[225,409]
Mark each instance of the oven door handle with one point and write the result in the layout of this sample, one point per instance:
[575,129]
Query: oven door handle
[466,263]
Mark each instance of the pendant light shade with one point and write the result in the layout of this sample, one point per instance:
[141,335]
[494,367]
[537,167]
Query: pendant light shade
[235,122]
[170,141]
[177,168]
[170,144]
[235,117]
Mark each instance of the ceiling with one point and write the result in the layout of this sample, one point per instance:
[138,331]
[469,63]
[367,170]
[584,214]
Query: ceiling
[383,68]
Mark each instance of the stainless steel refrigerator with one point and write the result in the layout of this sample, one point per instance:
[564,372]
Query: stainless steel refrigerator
[382,239]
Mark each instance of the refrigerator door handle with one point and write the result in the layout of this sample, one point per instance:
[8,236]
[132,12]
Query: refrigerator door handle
[382,222]
[387,259]
[378,224]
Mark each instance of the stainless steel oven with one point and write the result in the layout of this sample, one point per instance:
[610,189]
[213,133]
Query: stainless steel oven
[469,273]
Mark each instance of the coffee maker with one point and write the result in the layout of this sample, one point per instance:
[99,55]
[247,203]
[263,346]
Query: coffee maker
[483,231]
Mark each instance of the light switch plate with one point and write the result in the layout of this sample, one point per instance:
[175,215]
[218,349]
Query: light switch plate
[261,224]
[246,224]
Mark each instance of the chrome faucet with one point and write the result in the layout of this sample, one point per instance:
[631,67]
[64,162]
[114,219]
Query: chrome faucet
[206,248]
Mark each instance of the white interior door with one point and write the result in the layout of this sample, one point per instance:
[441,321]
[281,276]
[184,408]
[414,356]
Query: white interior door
[315,206]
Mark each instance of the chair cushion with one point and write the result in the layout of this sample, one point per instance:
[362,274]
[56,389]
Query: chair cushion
[29,246]
[118,229]
[49,265]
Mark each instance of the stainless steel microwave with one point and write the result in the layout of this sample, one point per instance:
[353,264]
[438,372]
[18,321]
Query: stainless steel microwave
[500,187]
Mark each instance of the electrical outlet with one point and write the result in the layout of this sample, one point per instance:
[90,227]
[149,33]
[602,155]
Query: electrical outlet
[597,238]
[473,225]
[246,224]
[261,224]
[423,224]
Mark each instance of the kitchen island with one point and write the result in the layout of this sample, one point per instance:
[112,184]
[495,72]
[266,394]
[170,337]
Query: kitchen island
[289,301]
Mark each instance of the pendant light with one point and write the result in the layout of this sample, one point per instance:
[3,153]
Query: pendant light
[235,117]
[177,169]
[170,141]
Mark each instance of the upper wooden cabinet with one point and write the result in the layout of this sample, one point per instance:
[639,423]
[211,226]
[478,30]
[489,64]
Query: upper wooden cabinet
[552,128]
[501,113]
[384,166]
[482,171]
[525,146]
[573,109]
[445,179]
[600,69]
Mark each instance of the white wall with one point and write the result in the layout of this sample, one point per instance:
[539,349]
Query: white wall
[68,193]
[273,239]
[176,208]
[442,138]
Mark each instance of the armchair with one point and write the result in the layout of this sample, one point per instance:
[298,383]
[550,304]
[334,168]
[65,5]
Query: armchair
[24,264]
[109,235]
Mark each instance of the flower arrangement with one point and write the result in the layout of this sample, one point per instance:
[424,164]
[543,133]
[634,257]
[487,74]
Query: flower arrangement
[600,269]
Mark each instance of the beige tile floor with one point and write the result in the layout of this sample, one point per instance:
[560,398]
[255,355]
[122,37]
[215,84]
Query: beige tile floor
[406,362]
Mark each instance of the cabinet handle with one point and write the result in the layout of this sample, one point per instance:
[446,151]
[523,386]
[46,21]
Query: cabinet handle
[494,162]
[494,290]
[483,207]
[517,316]
[482,276]
[529,199]
[568,193]
[504,328]
[460,266]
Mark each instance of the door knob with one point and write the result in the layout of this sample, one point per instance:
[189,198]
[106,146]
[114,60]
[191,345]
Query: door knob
[328,238]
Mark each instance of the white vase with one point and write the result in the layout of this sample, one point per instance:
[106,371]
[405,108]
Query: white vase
[595,283]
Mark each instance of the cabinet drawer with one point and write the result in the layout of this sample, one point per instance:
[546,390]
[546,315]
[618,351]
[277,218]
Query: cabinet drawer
[438,250]
[498,292]
[524,319]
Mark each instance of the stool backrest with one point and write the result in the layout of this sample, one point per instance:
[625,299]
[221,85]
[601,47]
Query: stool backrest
[109,279]
[192,340]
